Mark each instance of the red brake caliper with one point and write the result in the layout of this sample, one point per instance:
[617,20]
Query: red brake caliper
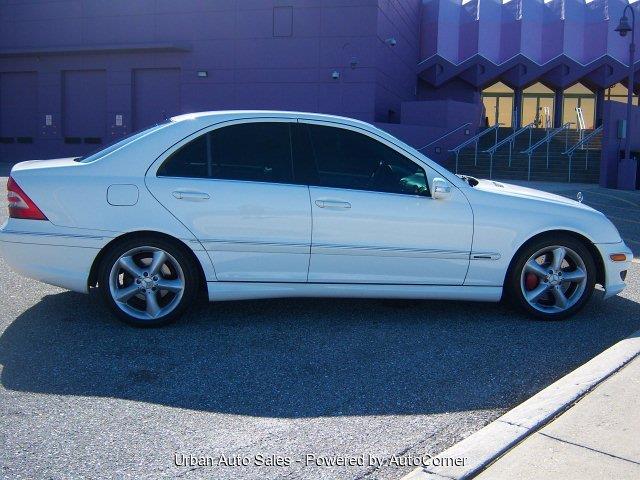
[531,281]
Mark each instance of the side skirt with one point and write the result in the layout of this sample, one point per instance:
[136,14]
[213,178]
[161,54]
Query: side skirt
[221,291]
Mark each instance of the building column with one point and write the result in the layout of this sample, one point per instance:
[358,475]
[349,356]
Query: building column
[599,106]
[558,107]
[517,108]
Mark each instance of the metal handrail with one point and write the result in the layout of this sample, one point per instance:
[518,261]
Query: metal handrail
[445,135]
[476,137]
[585,140]
[510,138]
[546,139]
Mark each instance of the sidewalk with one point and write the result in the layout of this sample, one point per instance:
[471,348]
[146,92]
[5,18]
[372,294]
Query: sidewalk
[597,438]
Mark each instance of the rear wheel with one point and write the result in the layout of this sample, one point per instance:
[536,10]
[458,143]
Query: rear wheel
[553,277]
[148,281]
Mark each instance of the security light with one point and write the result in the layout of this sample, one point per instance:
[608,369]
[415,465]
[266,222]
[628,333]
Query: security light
[623,26]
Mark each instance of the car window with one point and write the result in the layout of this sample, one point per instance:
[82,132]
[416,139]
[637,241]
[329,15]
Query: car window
[191,160]
[119,143]
[258,151]
[252,151]
[347,159]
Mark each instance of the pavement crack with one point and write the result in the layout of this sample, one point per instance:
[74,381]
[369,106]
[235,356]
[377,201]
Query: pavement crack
[589,448]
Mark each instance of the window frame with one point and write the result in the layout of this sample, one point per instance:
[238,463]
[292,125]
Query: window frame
[376,138]
[211,128]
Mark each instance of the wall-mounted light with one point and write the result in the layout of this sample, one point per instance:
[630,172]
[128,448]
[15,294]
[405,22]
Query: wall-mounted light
[203,73]
[391,41]
[335,75]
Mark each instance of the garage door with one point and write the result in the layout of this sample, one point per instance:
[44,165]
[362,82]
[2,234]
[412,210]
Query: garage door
[156,96]
[18,107]
[84,106]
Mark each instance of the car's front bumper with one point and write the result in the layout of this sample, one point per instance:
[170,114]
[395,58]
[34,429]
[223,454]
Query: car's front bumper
[614,282]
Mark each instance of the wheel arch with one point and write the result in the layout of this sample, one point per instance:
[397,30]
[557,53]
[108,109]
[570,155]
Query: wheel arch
[597,258]
[93,272]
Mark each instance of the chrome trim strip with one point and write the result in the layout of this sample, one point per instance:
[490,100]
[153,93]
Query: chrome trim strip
[255,246]
[330,249]
[55,235]
[485,256]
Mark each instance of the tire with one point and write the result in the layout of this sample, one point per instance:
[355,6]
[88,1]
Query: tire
[148,281]
[546,291]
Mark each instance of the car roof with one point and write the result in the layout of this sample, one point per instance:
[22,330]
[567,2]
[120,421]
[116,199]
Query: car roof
[221,115]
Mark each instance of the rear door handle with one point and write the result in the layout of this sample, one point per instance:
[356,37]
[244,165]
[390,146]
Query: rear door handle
[332,204]
[190,196]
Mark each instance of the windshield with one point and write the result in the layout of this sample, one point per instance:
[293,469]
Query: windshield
[119,143]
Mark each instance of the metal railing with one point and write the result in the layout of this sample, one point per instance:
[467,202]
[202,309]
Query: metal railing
[547,139]
[585,140]
[510,140]
[442,137]
[475,139]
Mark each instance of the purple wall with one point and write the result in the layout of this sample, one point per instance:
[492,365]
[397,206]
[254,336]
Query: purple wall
[73,71]
[612,145]
[141,61]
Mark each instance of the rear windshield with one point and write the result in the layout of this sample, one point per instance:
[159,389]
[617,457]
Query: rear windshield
[120,142]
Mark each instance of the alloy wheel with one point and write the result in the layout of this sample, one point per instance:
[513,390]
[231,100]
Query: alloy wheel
[553,279]
[146,283]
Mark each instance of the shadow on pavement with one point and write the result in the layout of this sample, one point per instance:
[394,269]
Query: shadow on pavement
[307,358]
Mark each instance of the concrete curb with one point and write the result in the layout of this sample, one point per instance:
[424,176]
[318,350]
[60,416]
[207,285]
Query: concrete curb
[486,445]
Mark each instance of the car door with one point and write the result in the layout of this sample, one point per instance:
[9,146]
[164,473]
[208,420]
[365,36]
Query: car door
[232,187]
[374,220]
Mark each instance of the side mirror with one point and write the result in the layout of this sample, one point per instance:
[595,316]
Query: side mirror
[441,188]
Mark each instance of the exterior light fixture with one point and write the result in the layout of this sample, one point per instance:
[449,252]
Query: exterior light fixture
[335,75]
[203,74]
[623,28]
[391,41]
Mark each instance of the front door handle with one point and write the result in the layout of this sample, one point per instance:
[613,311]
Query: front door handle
[190,196]
[332,204]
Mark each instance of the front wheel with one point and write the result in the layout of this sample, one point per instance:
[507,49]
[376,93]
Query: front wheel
[148,281]
[553,277]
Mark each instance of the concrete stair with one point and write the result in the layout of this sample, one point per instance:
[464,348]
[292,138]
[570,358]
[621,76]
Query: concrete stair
[585,164]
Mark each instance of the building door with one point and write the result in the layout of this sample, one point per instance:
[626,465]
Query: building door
[84,112]
[537,103]
[498,104]
[156,96]
[579,96]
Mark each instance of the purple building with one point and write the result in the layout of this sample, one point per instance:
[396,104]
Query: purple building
[75,74]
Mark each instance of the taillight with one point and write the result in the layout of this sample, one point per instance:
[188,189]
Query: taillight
[20,205]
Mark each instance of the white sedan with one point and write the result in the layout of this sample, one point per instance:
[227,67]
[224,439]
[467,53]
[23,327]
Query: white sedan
[262,204]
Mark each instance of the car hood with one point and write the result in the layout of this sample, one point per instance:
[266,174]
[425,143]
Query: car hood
[509,190]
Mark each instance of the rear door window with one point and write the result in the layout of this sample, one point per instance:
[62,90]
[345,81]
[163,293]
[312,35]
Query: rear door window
[259,151]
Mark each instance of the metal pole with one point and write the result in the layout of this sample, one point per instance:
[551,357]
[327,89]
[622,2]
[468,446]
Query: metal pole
[586,157]
[510,148]
[530,132]
[548,142]
[632,50]
[475,159]
[490,166]
[457,153]
[529,170]
[570,156]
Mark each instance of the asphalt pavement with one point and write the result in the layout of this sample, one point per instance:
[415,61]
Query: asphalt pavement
[82,395]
